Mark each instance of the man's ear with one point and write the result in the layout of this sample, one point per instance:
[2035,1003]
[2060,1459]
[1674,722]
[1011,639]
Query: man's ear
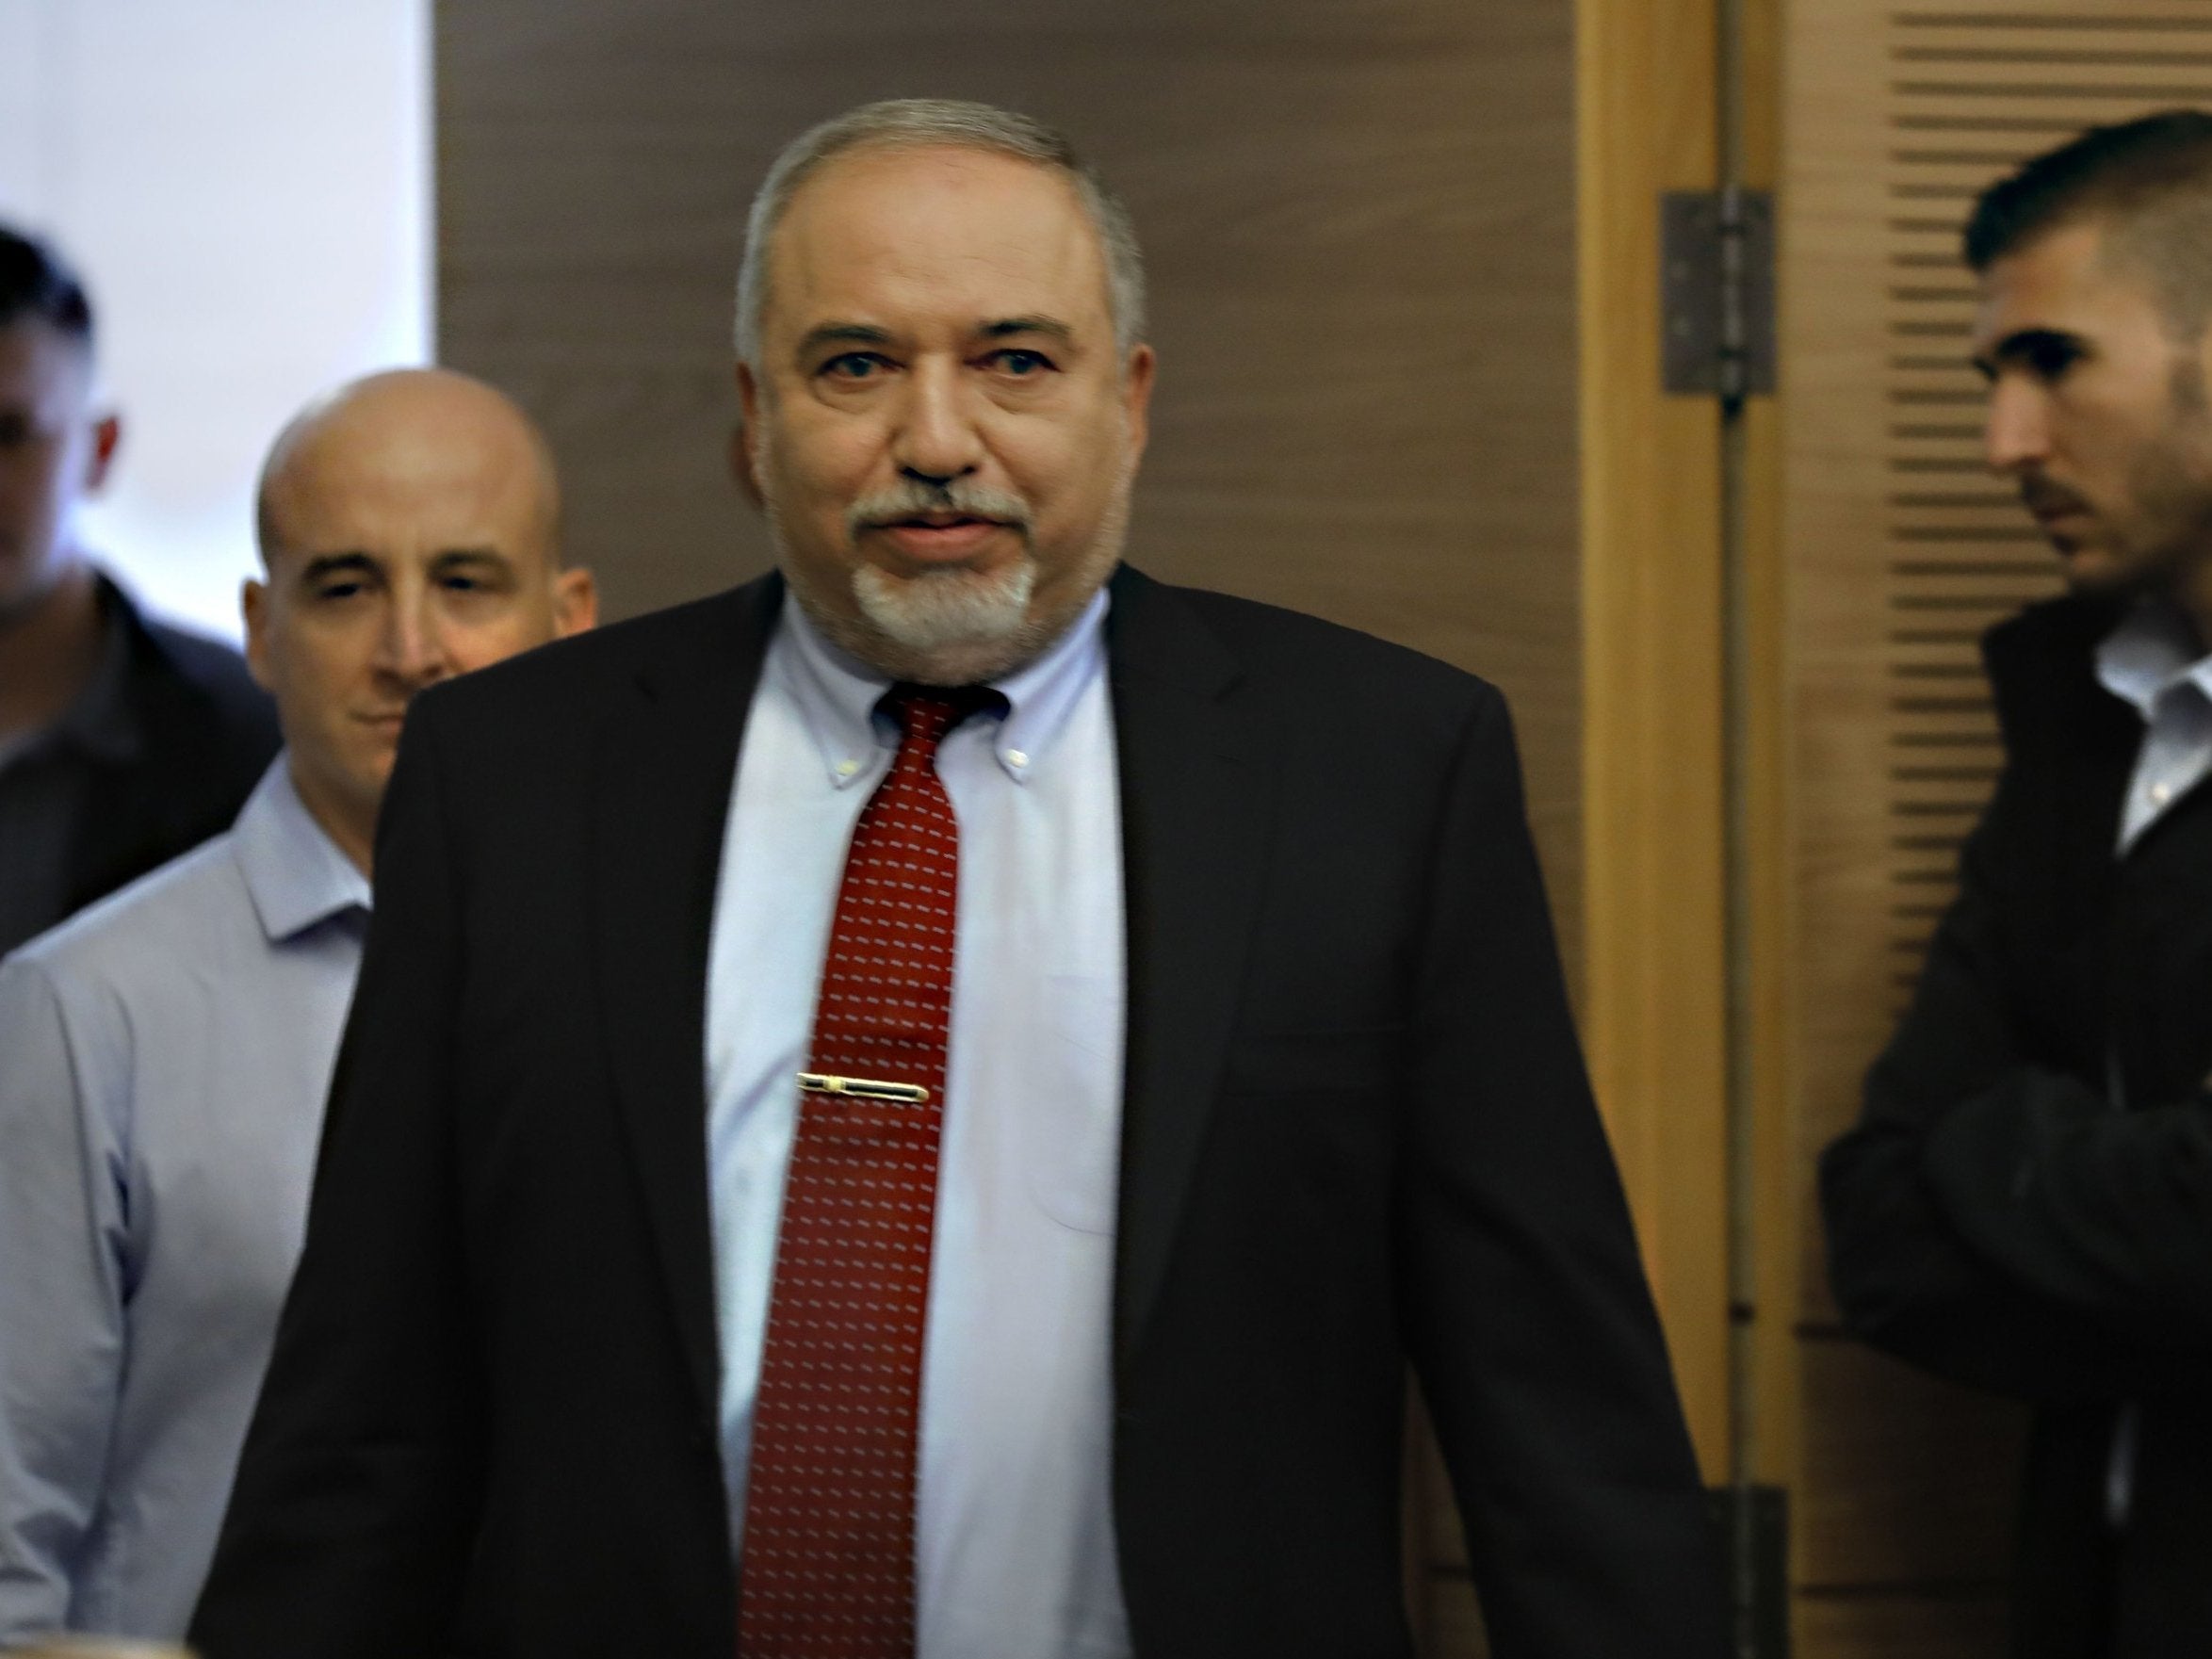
[576,602]
[254,603]
[106,439]
[745,436]
[1137,398]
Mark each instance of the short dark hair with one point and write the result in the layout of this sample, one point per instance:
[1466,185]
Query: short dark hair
[2149,179]
[37,283]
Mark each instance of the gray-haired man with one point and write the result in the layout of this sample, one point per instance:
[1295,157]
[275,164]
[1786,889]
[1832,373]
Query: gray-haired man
[1189,1054]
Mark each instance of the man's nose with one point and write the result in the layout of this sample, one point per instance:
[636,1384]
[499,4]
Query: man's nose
[937,437]
[412,648]
[2016,432]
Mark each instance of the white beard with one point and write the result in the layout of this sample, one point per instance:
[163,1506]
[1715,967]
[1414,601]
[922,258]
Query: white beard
[949,609]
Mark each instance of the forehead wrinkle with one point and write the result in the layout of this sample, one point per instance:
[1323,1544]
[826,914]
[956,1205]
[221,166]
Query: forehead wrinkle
[847,238]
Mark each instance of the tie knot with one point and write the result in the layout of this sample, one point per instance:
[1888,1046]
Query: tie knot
[926,713]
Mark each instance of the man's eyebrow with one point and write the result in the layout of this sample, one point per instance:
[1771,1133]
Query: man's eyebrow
[329,564]
[2028,346]
[1007,326]
[471,556]
[846,334]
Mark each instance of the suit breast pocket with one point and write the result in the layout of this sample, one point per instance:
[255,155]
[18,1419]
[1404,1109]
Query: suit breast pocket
[1354,1060]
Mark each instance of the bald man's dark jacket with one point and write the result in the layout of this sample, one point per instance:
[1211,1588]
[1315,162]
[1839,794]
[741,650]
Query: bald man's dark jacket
[1356,1132]
[2027,1203]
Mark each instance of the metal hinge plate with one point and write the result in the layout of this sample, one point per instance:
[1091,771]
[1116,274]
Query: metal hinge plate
[1717,292]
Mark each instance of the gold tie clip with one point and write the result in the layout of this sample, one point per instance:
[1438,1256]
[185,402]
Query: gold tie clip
[861,1088]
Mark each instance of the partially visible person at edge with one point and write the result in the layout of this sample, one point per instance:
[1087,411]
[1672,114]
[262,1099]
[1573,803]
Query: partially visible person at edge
[165,1054]
[2025,1204]
[122,742]
[1190,1053]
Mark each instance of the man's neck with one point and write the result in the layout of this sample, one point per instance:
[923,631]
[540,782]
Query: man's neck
[349,831]
[49,651]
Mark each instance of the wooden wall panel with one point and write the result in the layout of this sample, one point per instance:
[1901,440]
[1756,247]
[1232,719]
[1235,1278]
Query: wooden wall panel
[1901,550]
[1358,217]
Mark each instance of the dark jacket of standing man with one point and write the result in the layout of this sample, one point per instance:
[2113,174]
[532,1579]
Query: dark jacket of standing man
[122,742]
[1262,1081]
[2027,1204]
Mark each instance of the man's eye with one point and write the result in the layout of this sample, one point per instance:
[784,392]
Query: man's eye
[2049,361]
[854,366]
[1020,362]
[337,590]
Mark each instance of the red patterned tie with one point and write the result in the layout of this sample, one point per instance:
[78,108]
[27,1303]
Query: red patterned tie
[828,1569]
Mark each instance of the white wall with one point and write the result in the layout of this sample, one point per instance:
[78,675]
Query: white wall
[246,185]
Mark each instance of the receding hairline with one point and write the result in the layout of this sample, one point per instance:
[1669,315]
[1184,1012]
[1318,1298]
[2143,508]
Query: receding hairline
[297,440]
[918,124]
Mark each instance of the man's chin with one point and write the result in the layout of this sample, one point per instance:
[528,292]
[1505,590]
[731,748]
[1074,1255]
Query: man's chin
[2094,570]
[938,661]
[950,626]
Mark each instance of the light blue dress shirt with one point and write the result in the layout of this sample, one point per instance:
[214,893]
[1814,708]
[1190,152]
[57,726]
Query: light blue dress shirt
[1014,1555]
[163,1061]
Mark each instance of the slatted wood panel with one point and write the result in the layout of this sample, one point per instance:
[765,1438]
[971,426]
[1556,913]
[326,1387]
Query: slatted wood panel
[1901,550]
[1359,224]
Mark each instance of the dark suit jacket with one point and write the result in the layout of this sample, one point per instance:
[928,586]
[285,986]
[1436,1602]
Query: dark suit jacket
[1996,1218]
[205,734]
[1356,1129]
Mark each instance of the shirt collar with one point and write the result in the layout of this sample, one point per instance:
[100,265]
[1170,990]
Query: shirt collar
[2151,650]
[835,695]
[294,872]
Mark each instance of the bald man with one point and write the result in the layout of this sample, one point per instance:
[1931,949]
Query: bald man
[166,1052]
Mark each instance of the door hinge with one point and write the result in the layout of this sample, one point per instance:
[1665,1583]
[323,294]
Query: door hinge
[1717,292]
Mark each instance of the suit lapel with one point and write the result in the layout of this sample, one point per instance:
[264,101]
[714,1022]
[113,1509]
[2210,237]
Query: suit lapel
[1195,808]
[663,779]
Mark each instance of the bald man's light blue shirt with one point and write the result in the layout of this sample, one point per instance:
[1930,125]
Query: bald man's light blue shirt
[164,1058]
[1014,1554]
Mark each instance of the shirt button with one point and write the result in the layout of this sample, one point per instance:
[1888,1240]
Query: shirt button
[2160,794]
[847,768]
[1016,757]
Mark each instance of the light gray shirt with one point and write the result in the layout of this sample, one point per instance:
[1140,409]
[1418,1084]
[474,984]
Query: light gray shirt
[1014,1555]
[164,1057]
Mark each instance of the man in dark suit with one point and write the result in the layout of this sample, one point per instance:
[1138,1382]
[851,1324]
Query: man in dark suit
[1259,1080]
[122,742]
[2027,1203]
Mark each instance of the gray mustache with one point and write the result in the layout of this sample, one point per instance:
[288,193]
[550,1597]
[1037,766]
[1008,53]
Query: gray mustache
[958,495]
